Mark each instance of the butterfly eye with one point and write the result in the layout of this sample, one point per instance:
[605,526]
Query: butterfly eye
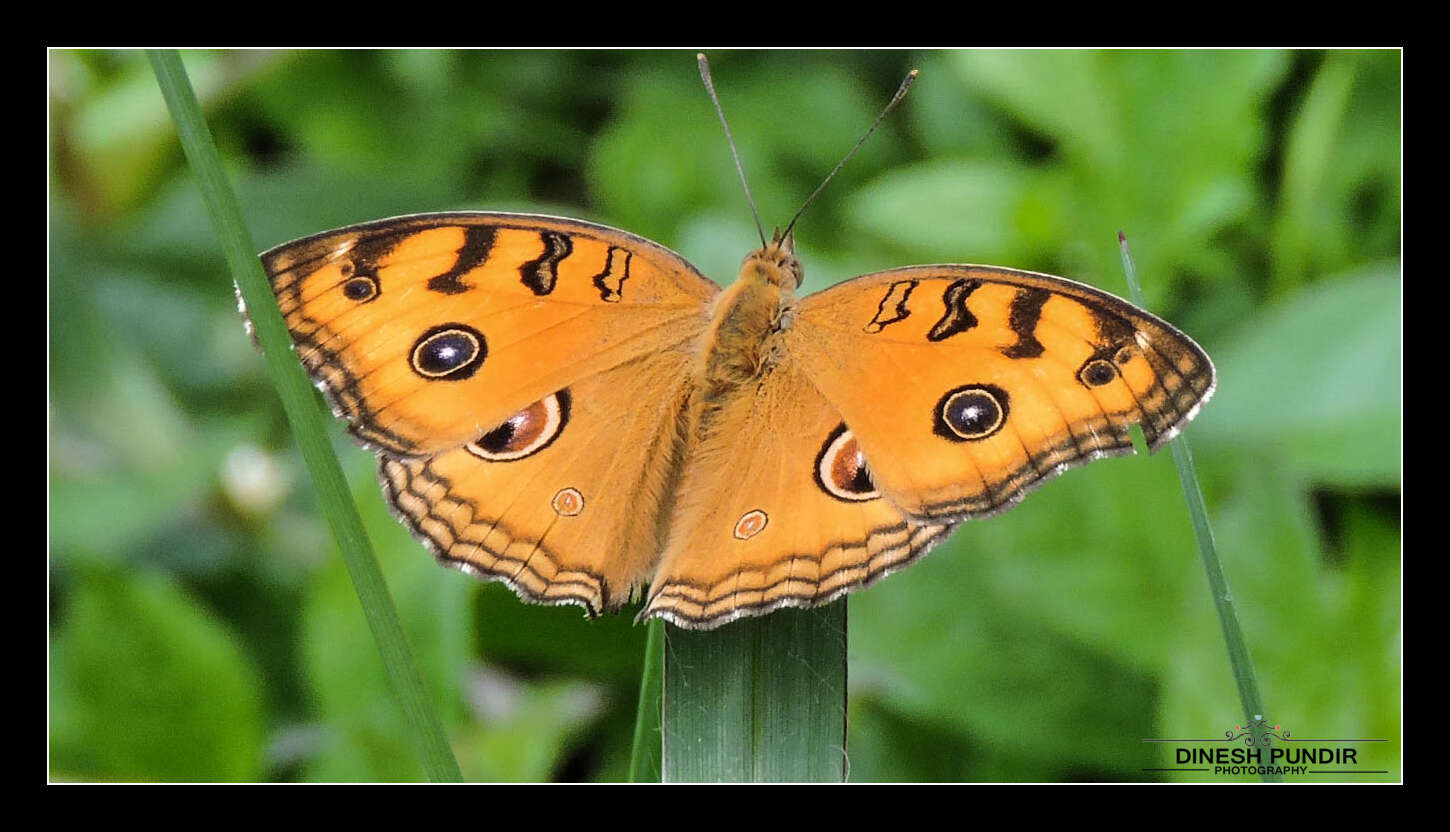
[526,433]
[973,412]
[841,468]
[1097,372]
[794,266]
[451,352]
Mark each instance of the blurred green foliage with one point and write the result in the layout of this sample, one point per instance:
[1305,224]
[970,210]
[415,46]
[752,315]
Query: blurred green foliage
[202,628]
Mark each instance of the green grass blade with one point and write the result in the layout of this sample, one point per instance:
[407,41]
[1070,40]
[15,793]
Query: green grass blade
[644,756]
[1233,635]
[761,699]
[307,422]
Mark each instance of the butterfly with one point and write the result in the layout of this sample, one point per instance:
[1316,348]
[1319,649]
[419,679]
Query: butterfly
[579,413]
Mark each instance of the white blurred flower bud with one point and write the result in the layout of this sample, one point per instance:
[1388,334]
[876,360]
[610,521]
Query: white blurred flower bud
[253,480]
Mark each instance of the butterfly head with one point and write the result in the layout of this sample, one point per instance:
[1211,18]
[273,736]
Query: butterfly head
[775,263]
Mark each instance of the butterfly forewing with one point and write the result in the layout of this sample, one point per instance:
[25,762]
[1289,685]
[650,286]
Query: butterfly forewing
[967,386]
[426,330]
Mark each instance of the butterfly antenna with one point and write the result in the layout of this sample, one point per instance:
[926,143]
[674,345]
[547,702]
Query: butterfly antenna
[710,86]
[891,105]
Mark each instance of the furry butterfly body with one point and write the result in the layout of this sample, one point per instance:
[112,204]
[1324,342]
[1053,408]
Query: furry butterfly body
[577,412]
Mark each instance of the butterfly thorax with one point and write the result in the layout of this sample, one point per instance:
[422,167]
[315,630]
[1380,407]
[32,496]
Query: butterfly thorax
[747,320]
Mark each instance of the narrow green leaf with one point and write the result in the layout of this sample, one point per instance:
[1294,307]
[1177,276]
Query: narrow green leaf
[300,404]
[1228,614]
[758,700]
[644,756]
[349,689]
[1303,596]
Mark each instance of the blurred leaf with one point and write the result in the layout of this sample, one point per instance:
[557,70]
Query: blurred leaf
[148,685]
[1077,612]
[126,465]
[1372,623]
[950,119]
[1101,105]
[1341,168]
[666,150]
[1323,671]
[947,211]
[886,747]
[1306,164]
[559,640]
[1019,688]
[523,730]
[1067,96]
[110,130]
[1315,381]
[1162,144]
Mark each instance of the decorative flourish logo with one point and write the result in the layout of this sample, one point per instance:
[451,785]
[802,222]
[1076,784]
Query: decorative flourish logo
[1262,736]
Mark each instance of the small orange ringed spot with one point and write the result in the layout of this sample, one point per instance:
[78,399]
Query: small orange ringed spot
[751,523]
[568,502]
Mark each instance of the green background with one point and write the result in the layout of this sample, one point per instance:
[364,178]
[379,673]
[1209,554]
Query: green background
[202,626]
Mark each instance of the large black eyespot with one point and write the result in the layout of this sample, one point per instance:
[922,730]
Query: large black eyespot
[841,468]
[1097,372]
[525,433]
[451,352]
[970,413]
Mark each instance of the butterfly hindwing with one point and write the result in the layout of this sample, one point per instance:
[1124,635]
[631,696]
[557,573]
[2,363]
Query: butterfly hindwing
[563,502]
[771,512]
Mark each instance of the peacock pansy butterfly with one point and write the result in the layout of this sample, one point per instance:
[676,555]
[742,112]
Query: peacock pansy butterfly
[577,412]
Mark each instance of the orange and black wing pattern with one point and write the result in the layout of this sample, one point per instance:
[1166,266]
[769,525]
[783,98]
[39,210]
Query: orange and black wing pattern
[426,330]
[968,385]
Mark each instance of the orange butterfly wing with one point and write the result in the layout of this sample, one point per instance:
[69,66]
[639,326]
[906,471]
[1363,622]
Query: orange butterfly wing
[966,386]
[900,404]
[520,377]
[575,519]
[423,330]
[762,524]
